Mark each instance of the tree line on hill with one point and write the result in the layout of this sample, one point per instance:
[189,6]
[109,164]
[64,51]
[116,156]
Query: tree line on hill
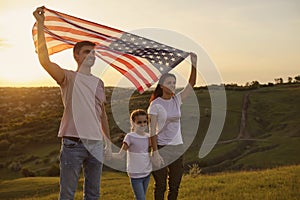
[252,85]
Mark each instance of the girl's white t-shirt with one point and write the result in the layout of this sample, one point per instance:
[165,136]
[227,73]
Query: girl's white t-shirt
[168,114]
[138,157]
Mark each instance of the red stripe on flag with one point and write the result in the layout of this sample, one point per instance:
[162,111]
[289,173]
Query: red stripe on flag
[59,48]
[77,32]
[83,21]
[141,64]
[83,27]
[125,73]
[127,64]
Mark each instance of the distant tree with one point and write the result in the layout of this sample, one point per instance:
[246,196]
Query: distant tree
[254,84]
[297,78]
[290,79]
[278,80]
[232,86]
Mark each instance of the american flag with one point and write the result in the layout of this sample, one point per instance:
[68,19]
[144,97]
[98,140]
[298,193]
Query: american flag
[139,59]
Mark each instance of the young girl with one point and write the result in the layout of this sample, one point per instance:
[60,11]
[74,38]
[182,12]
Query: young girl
[136,143]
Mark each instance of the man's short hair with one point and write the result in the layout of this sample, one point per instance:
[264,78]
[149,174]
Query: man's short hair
[79,45]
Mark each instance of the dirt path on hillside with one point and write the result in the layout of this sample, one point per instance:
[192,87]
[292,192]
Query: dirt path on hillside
[243,134]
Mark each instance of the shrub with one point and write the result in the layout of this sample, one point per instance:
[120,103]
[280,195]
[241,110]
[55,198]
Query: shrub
[194,170]
[27,173]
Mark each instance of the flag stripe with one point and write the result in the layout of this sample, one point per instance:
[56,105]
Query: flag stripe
[79,37]
[58,29]
[79,20]
[142,65]
[126,73]
[74,34]
[71,37]
[91,30]
[126,65]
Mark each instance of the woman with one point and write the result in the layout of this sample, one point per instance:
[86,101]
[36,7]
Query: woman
[165,132]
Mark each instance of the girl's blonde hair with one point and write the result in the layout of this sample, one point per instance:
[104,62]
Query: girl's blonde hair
[134,114]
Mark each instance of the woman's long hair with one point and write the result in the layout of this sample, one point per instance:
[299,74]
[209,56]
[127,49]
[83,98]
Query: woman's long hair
[158,92]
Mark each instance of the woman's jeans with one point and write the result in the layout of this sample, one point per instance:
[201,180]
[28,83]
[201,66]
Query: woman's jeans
[86,154]
[139,186]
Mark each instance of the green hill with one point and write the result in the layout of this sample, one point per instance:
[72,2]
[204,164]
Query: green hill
[30,120]
[279,183]
[272,135]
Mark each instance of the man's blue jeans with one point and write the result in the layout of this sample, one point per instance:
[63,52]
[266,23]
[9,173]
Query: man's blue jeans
[74,155]
[139,186]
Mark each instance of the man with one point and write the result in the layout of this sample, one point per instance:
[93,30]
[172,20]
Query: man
[84,123]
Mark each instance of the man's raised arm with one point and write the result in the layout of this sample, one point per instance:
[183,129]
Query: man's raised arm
[52,68]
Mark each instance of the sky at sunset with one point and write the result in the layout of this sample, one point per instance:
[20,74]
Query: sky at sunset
[246,40]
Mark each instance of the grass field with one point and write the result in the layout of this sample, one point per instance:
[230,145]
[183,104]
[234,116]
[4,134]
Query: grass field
[279,183]
[30,118]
